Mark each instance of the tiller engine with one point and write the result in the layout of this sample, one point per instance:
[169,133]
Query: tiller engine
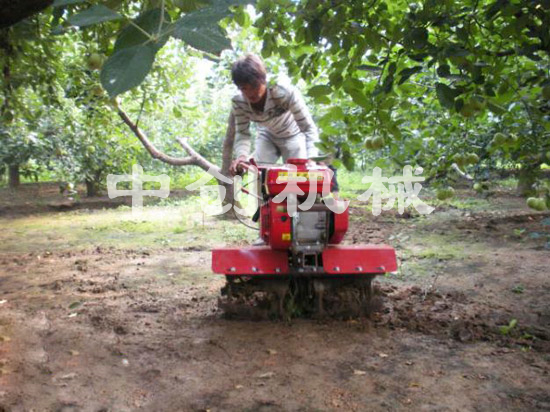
[301,270]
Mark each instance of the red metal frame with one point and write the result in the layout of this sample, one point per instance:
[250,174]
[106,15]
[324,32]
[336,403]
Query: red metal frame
[337,260]
[340,226]
[258,260]
[356,259]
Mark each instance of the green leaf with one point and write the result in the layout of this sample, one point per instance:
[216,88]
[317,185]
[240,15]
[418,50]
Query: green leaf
[446,95]
[348,160]
[200,30]
[229,3]
[59,3]
[352,83]
[322,99]
[242,18]
[456,50]
[208,39]
[418,37]
[93,15]
[337,113]
[495,8]
[444,70]
[314,29]
[407,73]
[320,90]
[126,69]
[359,98]
[187,6]
[149,22]
[369,68]
[495,108]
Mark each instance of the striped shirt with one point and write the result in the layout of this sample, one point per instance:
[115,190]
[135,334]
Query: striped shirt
[285,115]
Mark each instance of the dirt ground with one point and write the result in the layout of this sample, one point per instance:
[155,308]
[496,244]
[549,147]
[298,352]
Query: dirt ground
[464,323]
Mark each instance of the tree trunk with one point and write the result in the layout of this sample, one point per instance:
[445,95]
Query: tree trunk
[227,157]
[526,179]
[92,188]
[14,177]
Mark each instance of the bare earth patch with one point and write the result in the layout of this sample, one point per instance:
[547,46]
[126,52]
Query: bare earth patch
[112,329]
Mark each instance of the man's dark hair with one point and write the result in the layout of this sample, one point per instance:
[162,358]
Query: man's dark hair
[249,69]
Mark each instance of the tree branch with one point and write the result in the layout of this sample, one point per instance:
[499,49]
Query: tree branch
[466,176]
[194,158]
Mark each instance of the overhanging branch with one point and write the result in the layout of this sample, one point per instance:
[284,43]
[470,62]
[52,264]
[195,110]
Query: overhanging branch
[194,158]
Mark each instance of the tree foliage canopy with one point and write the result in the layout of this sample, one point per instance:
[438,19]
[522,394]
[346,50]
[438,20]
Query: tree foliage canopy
[391,82]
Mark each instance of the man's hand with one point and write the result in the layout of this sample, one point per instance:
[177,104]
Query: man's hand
[234,168]
[311,163]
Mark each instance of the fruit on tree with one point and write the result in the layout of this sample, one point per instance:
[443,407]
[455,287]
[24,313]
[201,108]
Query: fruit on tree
[378,142]
[472,158]
[467,110]
[536,203]
[477,103]
[97,91]
[95,61]
[499,138]
[459,159]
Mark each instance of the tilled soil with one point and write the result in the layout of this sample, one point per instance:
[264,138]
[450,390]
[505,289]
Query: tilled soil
[124,330]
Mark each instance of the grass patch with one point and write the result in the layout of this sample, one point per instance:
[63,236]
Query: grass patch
[508,183]
[435,253]
[159,226]
[470,203]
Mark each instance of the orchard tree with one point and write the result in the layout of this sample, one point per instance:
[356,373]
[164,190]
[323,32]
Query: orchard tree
[452,85]
[131,34]
[485,60]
